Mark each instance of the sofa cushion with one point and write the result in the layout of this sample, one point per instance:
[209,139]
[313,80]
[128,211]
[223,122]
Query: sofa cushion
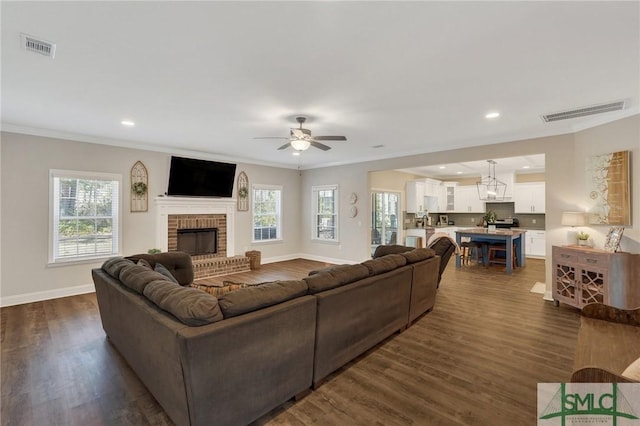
[336,277]
[390,249]
[418,254]
[177,262]
[220,290]
[114,265]
[136,277]
[384,264]
[160,268]
[191,306]
[252,298]
[325,269]
[143,262]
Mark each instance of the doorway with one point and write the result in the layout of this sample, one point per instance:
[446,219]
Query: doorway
[385,213]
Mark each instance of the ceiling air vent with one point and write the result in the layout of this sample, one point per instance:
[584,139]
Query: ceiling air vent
[42,47]
[582,112]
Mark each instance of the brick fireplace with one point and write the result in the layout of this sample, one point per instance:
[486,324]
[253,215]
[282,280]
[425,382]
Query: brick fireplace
[183,213]
[193,222]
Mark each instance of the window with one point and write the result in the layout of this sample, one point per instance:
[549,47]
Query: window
[267,203]
[325,210]
[85,212]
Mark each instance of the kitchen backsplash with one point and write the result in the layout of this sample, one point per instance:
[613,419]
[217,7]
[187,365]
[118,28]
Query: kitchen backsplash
[531,221]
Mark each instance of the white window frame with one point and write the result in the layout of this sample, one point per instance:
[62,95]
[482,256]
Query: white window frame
[278,212]
[315,229]
[54,216]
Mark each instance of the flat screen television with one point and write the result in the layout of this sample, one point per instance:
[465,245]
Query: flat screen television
[189,177]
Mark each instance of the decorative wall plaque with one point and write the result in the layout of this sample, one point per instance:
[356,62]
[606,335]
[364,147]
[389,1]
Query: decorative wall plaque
[139,188]
[243,192]
[608,187]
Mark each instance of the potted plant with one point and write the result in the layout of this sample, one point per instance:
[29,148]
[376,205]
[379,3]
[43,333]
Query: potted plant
[154,251]
[583,239]
[490,217]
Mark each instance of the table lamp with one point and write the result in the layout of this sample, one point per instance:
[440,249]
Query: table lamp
[573,219]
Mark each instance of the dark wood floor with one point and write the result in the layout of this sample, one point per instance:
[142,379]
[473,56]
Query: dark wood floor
[476,359]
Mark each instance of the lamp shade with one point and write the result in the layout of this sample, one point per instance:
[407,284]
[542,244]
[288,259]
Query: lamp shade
[574,219]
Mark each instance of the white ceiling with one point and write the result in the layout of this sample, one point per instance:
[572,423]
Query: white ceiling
[205,78]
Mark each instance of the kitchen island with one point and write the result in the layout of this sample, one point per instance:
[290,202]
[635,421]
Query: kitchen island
[509,237]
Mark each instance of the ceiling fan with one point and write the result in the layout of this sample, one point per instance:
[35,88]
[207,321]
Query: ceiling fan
[300,139]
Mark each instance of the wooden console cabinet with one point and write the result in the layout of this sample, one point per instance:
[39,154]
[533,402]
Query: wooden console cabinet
[585,275]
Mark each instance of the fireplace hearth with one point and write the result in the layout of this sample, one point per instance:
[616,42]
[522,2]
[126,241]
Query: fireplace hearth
[198,241]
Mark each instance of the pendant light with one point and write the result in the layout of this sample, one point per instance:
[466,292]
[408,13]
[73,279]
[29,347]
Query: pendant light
[489,187]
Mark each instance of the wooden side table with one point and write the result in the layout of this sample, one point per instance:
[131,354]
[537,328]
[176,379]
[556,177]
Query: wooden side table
[585,275]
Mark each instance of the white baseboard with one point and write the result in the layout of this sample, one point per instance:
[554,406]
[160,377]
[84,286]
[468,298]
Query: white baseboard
[46,295]
[547,296]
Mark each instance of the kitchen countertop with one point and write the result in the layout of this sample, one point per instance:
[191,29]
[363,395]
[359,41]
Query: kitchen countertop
[484,231]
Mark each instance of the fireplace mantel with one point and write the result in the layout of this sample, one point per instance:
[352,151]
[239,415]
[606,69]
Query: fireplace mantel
[186,205]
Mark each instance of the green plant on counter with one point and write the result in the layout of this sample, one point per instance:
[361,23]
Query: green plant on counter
[490,217]
[583,236]
[154,251]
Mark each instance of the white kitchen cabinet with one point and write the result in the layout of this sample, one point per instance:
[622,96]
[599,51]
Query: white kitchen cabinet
[535,243]
[529,197]
[432,187]
[467,200]
[447,197]
[415,196]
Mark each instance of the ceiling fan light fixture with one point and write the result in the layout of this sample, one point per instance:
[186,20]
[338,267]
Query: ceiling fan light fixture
[300,144]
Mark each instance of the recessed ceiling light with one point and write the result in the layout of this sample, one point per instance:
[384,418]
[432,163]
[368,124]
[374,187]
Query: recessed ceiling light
[525,167]
[127,123]
[493,115]
[443,167]
[296,153]
[458,173]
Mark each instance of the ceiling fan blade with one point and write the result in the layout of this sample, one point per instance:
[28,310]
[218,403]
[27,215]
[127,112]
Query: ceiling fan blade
[270,137]
[297,133]
[285,146]
[330,138]
[320,145]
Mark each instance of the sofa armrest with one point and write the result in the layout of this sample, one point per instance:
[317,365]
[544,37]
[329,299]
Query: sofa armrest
[609,313]
[597,375]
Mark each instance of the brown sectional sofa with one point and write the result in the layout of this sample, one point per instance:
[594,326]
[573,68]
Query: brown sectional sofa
[232,359]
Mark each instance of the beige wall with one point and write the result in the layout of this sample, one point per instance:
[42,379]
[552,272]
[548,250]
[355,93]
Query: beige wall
[390,181]
[622,135]
[26,161]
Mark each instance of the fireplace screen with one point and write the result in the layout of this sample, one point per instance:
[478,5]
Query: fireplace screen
[198,241]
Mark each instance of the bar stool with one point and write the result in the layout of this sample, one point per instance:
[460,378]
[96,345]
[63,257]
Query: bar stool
[497,248]
[471,250]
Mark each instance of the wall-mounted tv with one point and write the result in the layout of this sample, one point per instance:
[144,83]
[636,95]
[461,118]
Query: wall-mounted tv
[200,178]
